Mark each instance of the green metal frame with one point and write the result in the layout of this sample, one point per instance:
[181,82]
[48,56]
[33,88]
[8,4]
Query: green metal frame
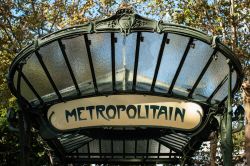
[126,22]
[226,124]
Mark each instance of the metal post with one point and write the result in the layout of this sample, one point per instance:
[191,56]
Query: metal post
[226,125]
[24,125]
[24,136]
[21,139]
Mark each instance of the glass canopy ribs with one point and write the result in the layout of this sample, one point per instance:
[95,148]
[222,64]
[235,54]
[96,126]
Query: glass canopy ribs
[124,89]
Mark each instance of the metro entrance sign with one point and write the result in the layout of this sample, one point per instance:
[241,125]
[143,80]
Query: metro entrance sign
[125,110]
[125,89]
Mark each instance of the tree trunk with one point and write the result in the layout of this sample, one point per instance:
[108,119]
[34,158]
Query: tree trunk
[246,100]
[213,149]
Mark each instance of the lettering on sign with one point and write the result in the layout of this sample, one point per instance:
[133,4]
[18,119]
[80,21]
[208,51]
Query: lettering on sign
[125,110]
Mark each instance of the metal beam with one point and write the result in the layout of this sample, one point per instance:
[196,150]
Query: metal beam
[227,143]
[159,150]
[138,41]
[183,138]
[147,147]
[24,123]
[172,142]
[123,142]
[57,148]
[75,147]
[123,161]
[163,43]
[24,154]
[112,147]
[120,154]
[39,57]
[62,47]
[135,147]
[177,150]
[87,43]
[22,137]
[100,146]
[73,143]
[202,73]
[113,60]
[32,88]
[217,88]
[88,150]
[180,65]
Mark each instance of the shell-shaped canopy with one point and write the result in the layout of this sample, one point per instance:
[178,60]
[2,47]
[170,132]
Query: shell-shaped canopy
[124,54]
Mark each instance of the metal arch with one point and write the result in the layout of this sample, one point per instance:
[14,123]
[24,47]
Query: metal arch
[87,43]
[138,41]
[112,24]
[62,48]
[202,73]
[159,60]
[32,88]
[113,41]
[123,153]
[180,65]
[39,57]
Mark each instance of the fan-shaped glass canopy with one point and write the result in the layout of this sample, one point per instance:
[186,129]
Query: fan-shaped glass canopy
[69,64]
[125,54]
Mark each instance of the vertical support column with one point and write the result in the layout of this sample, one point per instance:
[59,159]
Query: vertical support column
[229,141]
[23,160]
[226,125]
[24,136]
[24,125]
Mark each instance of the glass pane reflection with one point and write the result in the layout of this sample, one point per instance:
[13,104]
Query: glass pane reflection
[171,58]
[148,55]
[101,56]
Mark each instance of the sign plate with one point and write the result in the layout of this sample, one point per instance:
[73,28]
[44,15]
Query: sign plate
[125,110]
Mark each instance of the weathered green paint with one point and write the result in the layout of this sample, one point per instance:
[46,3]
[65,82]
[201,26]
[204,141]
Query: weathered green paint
[127,22]
[226,125]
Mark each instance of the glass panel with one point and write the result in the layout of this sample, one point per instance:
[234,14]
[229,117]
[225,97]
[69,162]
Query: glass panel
[37,77]
[141,146]
[129,146]
[194,63]
[27,93]
[164,149]
[94,148]
[171,58]
[223,92]
[153,147]
[212,78]
[78,58]
[83,149]
[171,143]
[125,59]
[101,56]
[118,147]
[55,63]
[106,146]
[148,56]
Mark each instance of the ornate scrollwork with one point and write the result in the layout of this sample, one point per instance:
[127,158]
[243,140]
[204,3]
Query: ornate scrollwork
[139,23]
[112,24]
[125,20]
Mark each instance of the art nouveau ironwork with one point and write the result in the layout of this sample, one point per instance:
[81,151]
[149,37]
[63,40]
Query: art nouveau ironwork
[125,54]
